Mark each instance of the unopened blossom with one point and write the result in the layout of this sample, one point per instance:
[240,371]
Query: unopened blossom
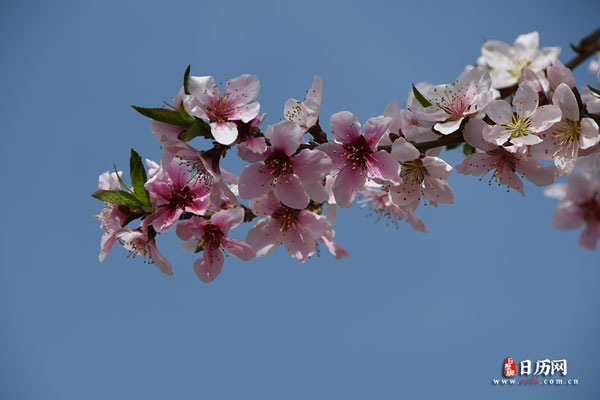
[522,127]
[305,113]
[355,157]
[223,109]
[296,178]
[580,206]
[174,194]
[591,99]
[506,162]
[211,237]
[298,230]
[380,203]
[563,141]
[140,242]
[451,103]
[505,62]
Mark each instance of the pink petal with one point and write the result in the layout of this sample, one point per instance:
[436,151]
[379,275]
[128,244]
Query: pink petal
[589,133]
[437,167]
[160,129]
[255,181]
[227,219]
[311,165]
[202,88]
[246,113]
[525,101]
[290,191]
[243,89]
[405,193]
[565,99]
[347,185]
[345,127]
[224,132]
[473,135]
[557,73]
[264,237]
[589,236]
[210,265]
[535,172]
[567,216]
[285,136]
[446,128]
[375,128]
[404,151]
[438,190]
[336,153]
[238,249]
[158,259]
[265,205]
[545,117]
[384,166]
[500,112]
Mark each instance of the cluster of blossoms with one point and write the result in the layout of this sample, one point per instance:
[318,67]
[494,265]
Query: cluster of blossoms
[517,114]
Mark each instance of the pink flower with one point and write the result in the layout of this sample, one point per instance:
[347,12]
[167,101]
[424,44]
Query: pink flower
[522,127]
[305,113]
[204,166]
[299,230]
[580,205]
[563,141]
[295,177]
[380,203]
[141,242]
[505,161]
[175,194]
[222,110]
[405,124]
[211,238]
[112,219]
[451,103]
[356,158]
[505,62]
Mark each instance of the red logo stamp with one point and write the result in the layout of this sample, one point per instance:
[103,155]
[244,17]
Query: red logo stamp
[510,367]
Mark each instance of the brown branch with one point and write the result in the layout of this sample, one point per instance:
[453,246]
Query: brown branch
[586,48]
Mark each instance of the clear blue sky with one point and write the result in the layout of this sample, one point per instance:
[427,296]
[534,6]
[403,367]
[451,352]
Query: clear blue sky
[410,315]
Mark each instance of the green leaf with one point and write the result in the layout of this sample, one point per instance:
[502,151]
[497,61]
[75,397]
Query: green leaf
[185,116]
[200,128]
[119,197]
[138,178]
[420,98]
[121,179]
[452,146]
[171,117]
[468,149]
[186,75]
[596,91]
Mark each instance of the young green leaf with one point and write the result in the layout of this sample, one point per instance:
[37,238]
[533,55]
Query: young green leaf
[420,98]
[596,91]
[171,117]
[138,178]
[186,75]
[200,128]
[185,116]
[468,149]
[121,179]
[119,197]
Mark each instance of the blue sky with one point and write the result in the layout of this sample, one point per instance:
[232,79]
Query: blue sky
[409,315]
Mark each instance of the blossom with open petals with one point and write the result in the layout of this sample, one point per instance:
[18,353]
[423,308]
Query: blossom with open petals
[563,141]
[140,242]
[506,162]
[305,113]
[580,206]
[211,237]
[522,127]
[451,103]
[175,194]
[299,230]
[223,109]
[355,157]
[296,178]
[505,62]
